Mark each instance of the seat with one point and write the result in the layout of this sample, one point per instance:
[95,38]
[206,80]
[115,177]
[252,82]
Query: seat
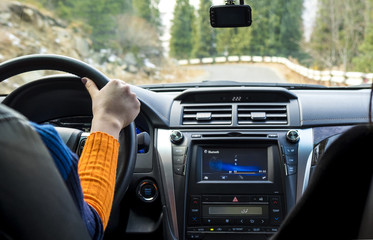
[333,205]
[34,200]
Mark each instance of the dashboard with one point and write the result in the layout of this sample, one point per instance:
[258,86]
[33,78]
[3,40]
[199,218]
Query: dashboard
[221,162]
[235,161]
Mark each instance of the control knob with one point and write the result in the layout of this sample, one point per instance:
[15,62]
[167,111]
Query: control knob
[176,137]
[293,136]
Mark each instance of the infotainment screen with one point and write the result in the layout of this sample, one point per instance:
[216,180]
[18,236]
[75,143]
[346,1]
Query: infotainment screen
[234,164]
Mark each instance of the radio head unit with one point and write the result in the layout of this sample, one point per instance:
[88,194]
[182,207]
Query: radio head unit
[234,185]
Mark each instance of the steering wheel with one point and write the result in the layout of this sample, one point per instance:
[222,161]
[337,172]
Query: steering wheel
[21,99]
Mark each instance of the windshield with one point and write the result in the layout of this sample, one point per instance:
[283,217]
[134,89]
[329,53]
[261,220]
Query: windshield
[146,42]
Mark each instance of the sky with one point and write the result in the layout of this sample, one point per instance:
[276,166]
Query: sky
[309,16]
[166,8]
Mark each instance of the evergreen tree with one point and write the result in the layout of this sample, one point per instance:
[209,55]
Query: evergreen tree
[290,28]
[181,42]
[100,15]
[276,28]
[233,41]
[205,44]
[260,28]
[224,43]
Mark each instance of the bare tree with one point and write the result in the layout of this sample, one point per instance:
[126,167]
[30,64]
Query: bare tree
[338,33]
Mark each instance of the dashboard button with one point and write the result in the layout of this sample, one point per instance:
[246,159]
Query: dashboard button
[195,210]
[194,220]
[195,235]
[290,150]
[227,221]
[178,151]
[195,201]
[234,198]
[147,191]
[179,170]
[252,221]
[237,229]
[275,200]
[241,221]
[262,221]
[178,160]
[290,159]
[291,169]
[209,221]
[211,198]
[259,199]
[276,219]
[276,210]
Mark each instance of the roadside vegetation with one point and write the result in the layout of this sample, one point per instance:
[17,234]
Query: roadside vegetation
[341,39]
[123,38]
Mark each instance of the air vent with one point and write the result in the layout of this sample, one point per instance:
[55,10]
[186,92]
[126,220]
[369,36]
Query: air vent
[207,115]
[262,115]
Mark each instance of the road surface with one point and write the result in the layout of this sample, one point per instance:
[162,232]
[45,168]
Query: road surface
[239,72]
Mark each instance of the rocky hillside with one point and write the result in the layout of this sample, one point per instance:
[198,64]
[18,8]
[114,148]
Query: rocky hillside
[26,30]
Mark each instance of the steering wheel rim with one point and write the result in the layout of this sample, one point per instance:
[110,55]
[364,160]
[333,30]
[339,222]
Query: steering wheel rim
[33,62]
[128,136]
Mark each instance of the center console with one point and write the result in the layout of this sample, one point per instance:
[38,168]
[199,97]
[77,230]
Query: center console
[232,185]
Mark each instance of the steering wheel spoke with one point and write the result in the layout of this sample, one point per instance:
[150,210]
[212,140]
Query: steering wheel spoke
[71,137]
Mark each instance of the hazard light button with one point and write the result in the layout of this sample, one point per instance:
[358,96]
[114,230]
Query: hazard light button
[235,198]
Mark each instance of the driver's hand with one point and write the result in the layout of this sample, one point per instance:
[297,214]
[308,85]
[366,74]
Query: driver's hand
[114,106]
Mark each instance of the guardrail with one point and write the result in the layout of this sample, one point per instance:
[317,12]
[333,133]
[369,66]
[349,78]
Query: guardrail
[337,77]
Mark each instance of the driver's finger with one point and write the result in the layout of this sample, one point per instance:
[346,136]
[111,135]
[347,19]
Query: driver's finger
[90,86]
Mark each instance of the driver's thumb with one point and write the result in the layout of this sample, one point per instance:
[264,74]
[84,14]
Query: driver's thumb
[90,86]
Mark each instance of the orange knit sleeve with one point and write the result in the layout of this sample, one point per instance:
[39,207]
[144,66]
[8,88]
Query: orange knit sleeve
[97,171]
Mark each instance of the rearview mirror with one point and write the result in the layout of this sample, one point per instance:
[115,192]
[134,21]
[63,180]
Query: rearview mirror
[224,16]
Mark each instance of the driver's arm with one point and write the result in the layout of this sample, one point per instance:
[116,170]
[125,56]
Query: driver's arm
[97,172]
[67,165]
[114,107]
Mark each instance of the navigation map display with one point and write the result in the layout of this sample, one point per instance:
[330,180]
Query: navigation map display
[234,164]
